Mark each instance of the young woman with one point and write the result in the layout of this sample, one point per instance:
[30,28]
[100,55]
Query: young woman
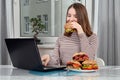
[80,39]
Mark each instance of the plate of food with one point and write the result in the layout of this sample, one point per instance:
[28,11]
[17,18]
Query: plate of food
[82,63]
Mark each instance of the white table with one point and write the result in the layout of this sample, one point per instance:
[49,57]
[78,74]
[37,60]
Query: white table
[8,72]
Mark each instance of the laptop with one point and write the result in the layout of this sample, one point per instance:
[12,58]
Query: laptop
[24,54]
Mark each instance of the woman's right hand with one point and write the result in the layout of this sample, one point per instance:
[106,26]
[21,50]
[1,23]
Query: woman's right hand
[45,59]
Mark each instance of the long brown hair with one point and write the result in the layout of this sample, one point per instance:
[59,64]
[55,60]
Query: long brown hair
[82,17]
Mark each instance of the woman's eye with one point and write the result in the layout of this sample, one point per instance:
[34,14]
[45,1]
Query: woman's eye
[75,16]
[68,15]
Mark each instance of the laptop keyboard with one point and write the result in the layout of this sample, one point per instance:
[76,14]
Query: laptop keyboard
[54,66]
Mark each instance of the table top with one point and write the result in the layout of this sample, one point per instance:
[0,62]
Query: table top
[8,72]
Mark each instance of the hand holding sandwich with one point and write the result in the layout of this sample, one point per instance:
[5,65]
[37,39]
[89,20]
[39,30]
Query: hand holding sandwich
[78,27]
[71,26]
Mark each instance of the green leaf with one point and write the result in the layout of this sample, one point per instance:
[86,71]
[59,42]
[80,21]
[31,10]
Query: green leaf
[37,25]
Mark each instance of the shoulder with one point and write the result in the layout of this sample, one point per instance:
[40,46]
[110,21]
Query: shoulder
[61,37]
[93,37]
[83,36]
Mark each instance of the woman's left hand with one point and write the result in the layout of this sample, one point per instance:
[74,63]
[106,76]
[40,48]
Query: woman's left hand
[78,27]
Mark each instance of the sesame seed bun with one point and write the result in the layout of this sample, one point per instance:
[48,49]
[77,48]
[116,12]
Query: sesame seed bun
[73,65]
[81,53]
[80,57]
[74,62]
[89,62]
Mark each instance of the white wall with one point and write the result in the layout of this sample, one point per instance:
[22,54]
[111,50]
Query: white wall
[95,23]
[10,29]
[16,12]
[88,5]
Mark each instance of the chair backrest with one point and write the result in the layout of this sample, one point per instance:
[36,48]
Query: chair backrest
[100,62]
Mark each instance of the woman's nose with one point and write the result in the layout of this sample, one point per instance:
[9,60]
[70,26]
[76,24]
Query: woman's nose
[71,19]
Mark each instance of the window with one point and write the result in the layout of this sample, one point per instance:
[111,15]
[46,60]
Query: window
[51,12]
[45,17]
[39,1]
[26,2]
[26,25]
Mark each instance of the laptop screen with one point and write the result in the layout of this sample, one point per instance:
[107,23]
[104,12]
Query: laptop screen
[24,53]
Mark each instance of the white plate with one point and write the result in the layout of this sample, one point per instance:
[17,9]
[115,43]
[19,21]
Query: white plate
[82,70]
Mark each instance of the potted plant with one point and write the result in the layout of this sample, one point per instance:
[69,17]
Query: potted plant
[37,27]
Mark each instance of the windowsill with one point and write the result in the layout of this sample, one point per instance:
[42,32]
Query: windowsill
[48,42]
[46,46]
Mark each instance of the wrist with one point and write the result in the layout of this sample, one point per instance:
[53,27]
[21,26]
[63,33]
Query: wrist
[80,32]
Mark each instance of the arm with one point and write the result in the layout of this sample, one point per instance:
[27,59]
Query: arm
[54,57]
[88,44]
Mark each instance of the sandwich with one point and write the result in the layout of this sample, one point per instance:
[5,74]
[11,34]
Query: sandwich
[73,65]
[89,65]
[82,61]
[68,29]
[80,57]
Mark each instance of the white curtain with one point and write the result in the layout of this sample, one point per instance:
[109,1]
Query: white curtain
[5,31]
[0,31]
[108,31]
